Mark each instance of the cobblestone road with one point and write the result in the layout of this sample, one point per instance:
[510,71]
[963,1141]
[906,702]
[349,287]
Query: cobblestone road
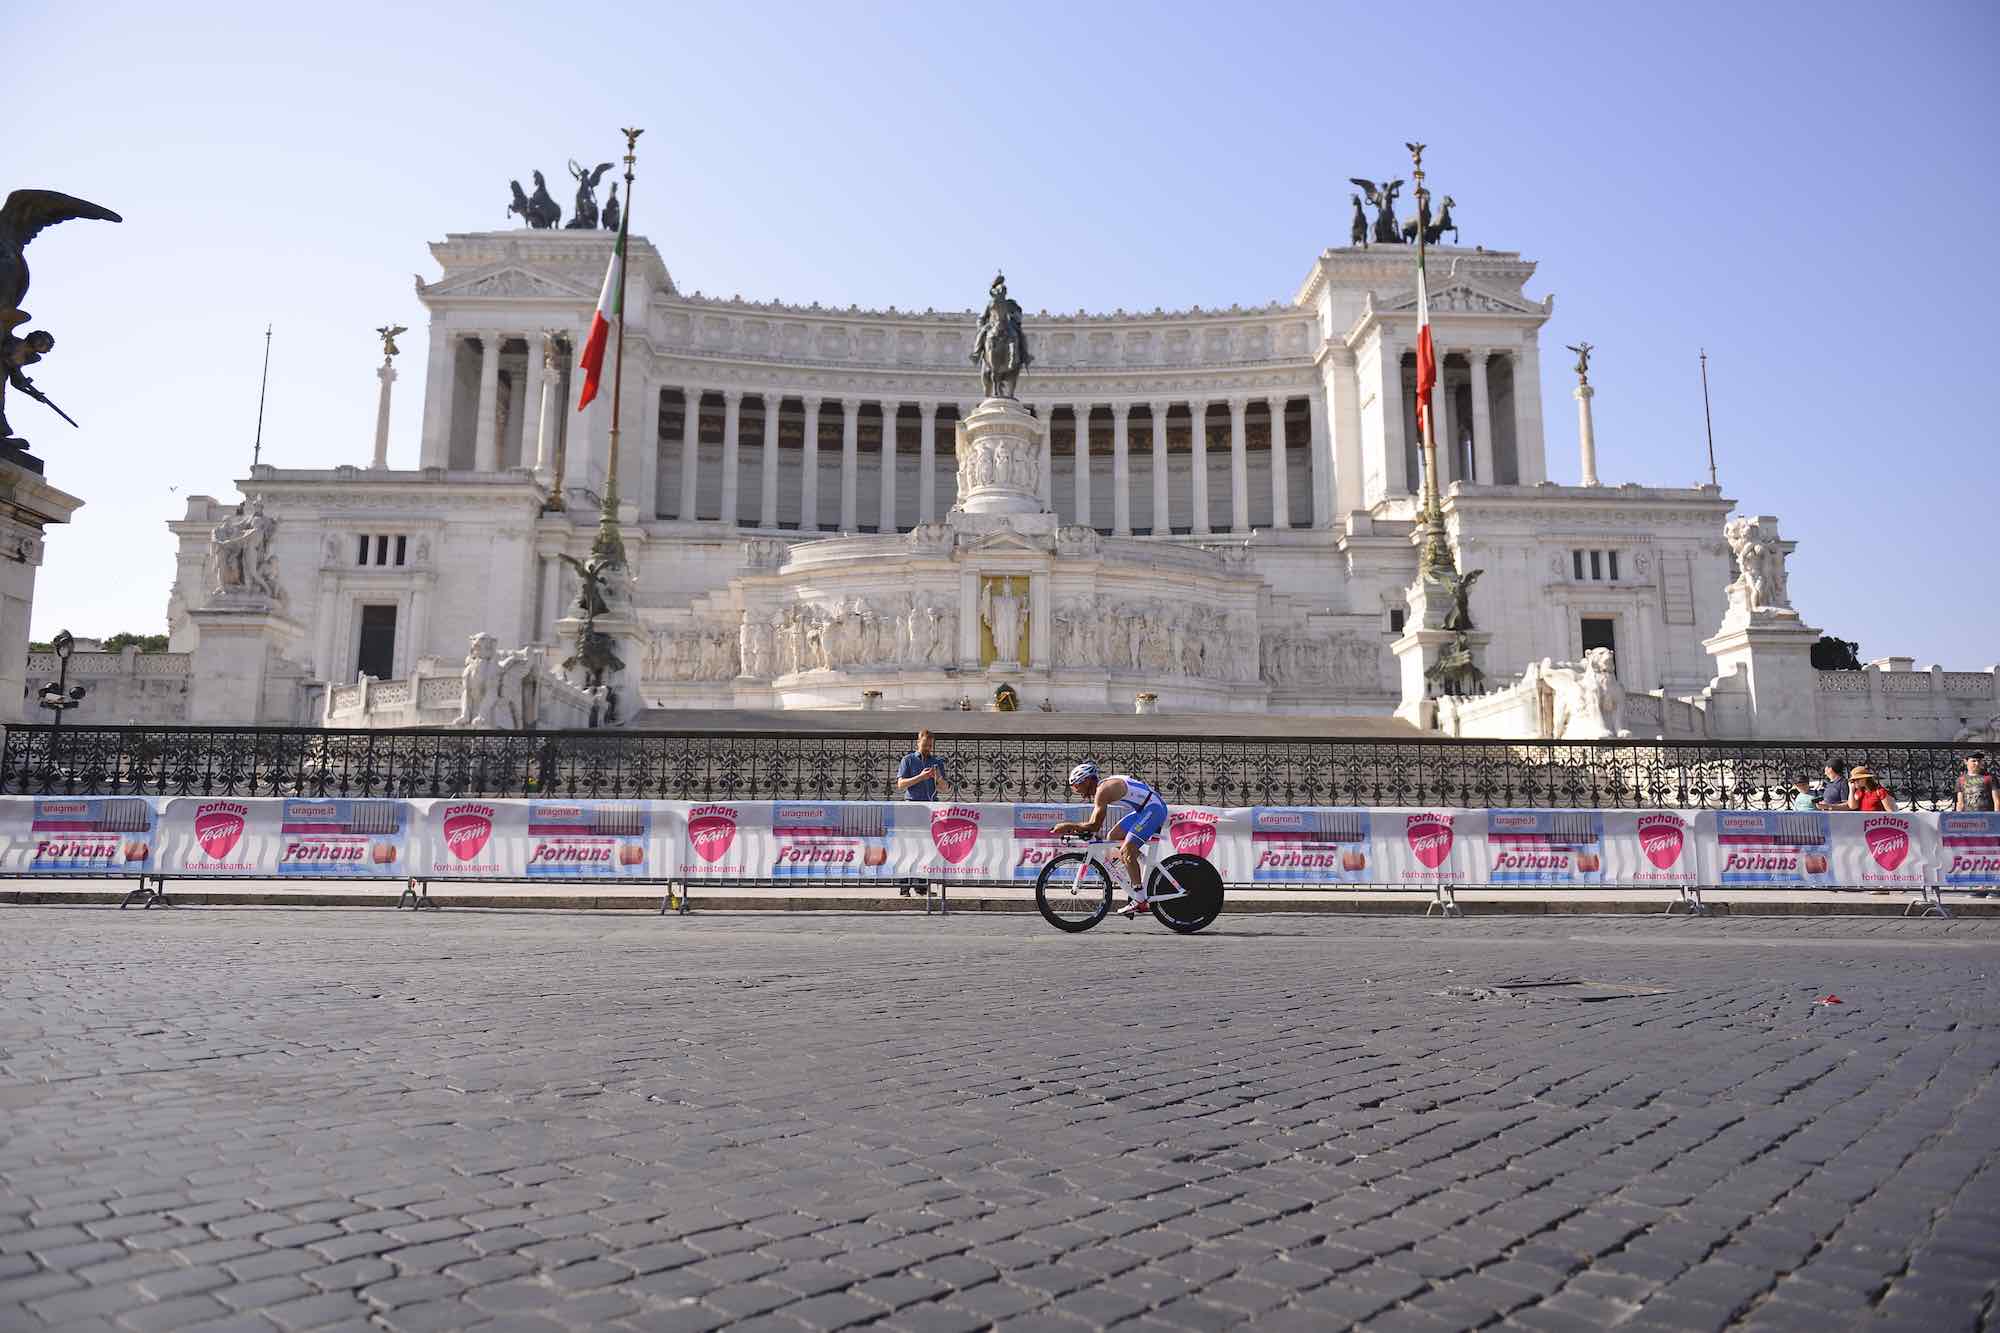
[257,1119]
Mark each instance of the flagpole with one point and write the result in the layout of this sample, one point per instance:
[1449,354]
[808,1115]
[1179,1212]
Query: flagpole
[618,364]
[1436,554]
[1707,419]
[608,550]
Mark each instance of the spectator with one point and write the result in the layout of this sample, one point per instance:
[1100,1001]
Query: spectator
[1977,789]
[921,771]
[1865,793]
[1833,795]
[1804,798]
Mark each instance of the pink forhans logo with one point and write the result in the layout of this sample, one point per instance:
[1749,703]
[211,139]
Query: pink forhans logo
[1661,838]
[1191,834]
[1888,842]
[217,831]
[465,834]
[953,833]
[712,829]
[1430,838]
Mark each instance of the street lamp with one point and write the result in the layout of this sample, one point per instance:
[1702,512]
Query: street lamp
[58,695]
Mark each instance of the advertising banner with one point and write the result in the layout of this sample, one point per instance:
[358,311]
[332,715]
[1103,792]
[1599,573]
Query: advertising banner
[1969,850]
[1428,846]
[1767,847]
[1650,847]
[971,842]
[219,836]
[717,840]
[1552,847]
[345,839]
[1033,845]
[1881,851]
[536,840]
[79,835]
[1306,845]
[833,839]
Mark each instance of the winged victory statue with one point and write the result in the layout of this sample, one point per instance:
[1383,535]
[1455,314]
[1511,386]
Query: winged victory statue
[22,218]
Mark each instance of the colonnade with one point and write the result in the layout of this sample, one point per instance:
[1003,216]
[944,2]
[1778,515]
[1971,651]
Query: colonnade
[1085,471]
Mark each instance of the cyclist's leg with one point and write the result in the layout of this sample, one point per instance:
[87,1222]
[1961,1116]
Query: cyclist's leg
[1140,828]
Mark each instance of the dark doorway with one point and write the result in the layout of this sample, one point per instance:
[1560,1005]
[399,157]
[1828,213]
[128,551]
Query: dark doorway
[1599,631]
[377,657]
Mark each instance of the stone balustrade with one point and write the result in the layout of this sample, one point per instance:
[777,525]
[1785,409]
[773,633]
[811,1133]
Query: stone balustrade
[433,697]
[122,687]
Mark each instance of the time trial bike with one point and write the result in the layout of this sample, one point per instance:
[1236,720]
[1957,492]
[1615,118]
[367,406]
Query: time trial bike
[1073,892]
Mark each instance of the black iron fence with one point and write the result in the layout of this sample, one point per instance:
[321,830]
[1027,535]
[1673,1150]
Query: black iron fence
[721,765]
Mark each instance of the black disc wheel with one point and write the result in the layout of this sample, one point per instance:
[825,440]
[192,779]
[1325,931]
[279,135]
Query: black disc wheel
[1073,892]
[1186,913]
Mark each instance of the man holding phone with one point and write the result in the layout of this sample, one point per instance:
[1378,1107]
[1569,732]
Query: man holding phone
[921,771]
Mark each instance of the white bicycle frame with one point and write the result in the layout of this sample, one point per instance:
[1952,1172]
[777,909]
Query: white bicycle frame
[1149,860]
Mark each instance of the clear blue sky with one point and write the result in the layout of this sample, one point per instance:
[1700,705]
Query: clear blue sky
[1806,190]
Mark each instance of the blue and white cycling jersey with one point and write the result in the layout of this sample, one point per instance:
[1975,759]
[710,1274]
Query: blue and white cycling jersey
[1145,814]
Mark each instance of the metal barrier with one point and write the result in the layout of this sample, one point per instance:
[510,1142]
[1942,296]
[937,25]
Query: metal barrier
[820,766]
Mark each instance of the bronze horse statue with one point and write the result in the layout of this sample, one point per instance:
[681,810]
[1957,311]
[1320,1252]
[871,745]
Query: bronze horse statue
[1001,349]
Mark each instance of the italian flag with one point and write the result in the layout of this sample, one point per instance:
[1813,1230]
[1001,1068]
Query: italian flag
[1427,370]
[611,307]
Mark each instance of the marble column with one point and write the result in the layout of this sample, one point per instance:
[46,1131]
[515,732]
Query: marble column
[1396,479]
[927,463]
[644,483]
[1162,521]
[1482,422]
[887,521]
[1198,464]
[850,461]
[485,437]
[1342,423]
[1444,427]
[732,427]
[1048,420]
[387,374]
[1586,435]
[548,423]
[1323,479]
[1529,452]
[1081,454]
[1121,472]
[440,386]
[1281,481]
[767,507]
[809,470]
[1239,467]
[515,445]
[690,450]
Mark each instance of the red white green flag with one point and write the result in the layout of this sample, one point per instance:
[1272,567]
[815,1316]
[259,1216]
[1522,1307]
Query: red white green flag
[610,308]
[1427,371]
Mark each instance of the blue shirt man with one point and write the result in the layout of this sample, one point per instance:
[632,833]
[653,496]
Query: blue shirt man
[1833,796]
[917,777]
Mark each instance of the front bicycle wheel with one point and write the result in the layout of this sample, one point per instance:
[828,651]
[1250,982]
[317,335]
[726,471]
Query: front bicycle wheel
[1194,909]
[1073,892]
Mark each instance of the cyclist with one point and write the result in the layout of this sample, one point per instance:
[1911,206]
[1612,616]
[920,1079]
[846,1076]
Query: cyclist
[1141,815]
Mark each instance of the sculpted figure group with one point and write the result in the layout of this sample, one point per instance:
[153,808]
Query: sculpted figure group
[1305,657]
[493,685]
[1159,638]
[241,563]
[1760,561]
[704,650]
[1016,464]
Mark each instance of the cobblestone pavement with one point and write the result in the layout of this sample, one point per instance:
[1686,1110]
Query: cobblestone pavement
[257,1119]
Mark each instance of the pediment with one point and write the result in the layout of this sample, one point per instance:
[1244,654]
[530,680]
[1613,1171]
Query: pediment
[507,282]
[1459,297]
[1002,543]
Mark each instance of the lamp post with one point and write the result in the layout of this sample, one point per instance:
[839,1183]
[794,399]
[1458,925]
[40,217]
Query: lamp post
[58,695]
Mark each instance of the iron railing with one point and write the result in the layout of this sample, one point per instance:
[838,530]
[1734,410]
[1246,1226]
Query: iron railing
[767,765]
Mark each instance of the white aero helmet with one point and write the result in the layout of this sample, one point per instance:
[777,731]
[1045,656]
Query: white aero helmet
[1083,772]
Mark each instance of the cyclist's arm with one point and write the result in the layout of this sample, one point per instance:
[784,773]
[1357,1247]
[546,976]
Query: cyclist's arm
[1100,806]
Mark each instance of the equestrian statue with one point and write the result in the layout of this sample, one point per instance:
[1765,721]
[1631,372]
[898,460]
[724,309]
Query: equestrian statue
[1001,349]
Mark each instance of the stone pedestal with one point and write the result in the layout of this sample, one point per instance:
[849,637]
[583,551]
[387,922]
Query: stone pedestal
[1773,653]
[1000,460]
[241,675]
[628,641]
[27,503]
[1417,651]
[387,374]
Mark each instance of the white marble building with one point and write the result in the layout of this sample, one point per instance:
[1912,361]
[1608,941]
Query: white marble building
[1232,495]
